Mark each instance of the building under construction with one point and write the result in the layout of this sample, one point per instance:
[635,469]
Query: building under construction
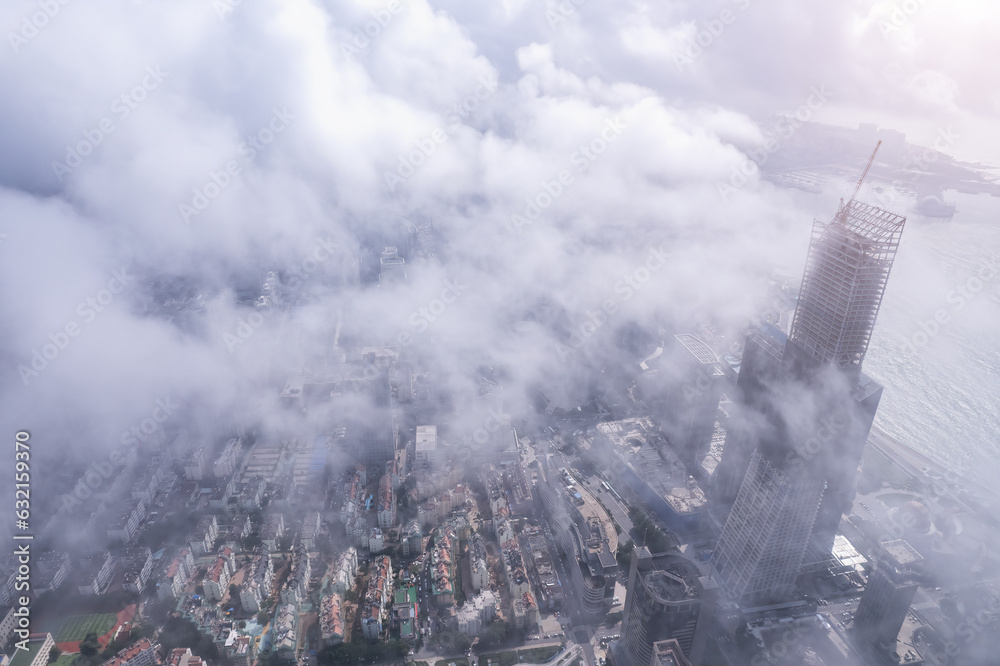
[847,269]
[807,447]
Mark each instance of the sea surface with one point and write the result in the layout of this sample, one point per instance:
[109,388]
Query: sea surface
[936,345]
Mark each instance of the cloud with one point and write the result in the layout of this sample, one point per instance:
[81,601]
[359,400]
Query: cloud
[587,130]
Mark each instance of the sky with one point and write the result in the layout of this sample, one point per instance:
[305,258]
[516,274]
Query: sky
[568,155]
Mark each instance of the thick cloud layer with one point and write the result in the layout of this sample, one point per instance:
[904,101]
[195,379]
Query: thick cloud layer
[562,159]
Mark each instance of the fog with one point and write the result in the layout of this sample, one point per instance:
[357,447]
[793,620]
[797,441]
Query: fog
[550,172]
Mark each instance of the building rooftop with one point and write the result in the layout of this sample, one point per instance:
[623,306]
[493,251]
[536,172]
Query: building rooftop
[698,349]
[901,553]
[639,445]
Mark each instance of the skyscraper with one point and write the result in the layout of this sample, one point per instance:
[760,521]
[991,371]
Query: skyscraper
[759,371]
[668,653]
[887,598]
[392,267]
[847,269]
[815,408]
[693,386]
[667,598]
[766,534]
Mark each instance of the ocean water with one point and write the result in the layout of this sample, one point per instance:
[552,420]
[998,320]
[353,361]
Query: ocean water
[936,345]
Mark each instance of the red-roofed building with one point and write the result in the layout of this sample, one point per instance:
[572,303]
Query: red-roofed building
[140,653]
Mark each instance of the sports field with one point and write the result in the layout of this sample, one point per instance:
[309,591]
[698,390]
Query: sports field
[76,627]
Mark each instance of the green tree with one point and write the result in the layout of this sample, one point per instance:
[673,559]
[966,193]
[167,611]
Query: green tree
[54,654]
[624,554]
[89,646]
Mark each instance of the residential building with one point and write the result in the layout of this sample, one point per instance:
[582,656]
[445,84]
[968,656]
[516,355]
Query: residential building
[8,622]
[331,619]
[257,581]
[346,571]
[311,524]
[386,503]
[296,586]
[125,524]
[194,465]
[272,530]
[37,654]
[411,540]
[141,653]
[226,463]
[426,446]
[173,579]
[50,571]
[216,581]
[183,657]
[95,572]
[374,607]
[203,538]
[136,563]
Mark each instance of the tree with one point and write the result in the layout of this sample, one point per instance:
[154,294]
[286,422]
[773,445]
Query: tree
[54,654]
[89,646]
[234,591]
[494,634]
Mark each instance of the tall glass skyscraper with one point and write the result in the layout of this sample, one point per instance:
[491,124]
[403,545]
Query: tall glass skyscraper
[815,406]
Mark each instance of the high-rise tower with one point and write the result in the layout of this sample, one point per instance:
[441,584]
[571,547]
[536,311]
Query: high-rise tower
[667,598]
[846,272]
[887,598]
[392,267]
[691,397]
[815,407]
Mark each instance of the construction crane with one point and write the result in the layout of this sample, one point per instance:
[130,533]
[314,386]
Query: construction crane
[842,212]
[864,174]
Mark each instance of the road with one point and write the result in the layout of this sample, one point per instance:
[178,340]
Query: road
[616,508]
